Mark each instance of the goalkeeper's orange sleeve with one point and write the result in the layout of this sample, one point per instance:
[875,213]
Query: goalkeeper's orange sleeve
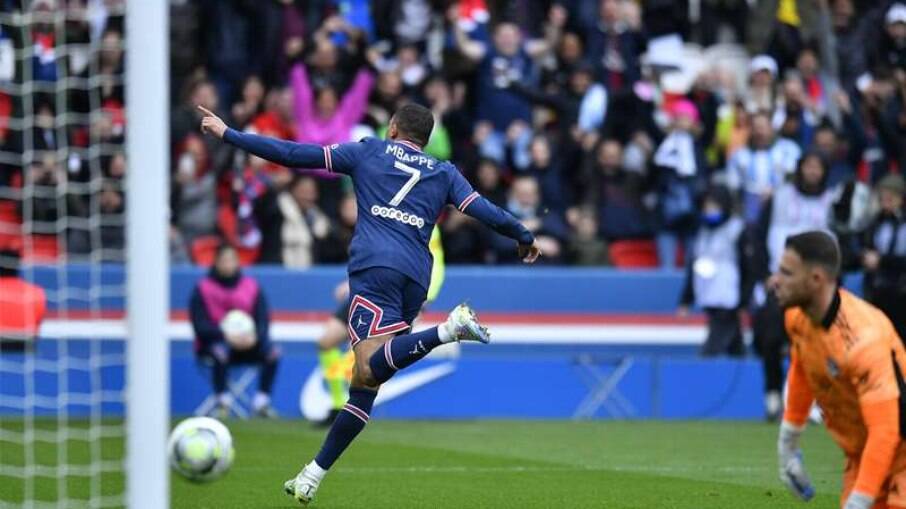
[799,396]
[882,420]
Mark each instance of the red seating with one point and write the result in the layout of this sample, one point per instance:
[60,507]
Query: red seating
[633,254]
[43,249]
[204,249]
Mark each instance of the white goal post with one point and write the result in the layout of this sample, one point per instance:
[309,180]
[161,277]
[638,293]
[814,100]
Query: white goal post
[147,273]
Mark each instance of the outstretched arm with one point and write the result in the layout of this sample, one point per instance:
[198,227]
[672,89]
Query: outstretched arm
[470,202]
[286,153]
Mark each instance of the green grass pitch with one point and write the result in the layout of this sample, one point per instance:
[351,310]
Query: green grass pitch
[492,464]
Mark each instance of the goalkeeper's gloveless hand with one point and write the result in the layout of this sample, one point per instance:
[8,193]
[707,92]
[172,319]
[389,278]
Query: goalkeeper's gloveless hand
[792,468]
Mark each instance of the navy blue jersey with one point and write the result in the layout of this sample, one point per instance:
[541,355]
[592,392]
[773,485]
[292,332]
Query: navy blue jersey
[400,192]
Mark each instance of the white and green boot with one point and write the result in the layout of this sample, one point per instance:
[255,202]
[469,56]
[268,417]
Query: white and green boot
[305,484]
[462,325]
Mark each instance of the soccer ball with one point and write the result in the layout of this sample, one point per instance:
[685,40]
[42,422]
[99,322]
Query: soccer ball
[201,449]
[239,329]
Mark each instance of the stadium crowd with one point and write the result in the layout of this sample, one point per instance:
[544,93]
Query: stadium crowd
[601,124]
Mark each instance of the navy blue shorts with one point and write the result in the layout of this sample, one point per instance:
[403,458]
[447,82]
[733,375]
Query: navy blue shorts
[382,301]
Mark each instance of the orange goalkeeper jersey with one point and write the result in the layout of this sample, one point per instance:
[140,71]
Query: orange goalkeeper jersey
[852,365]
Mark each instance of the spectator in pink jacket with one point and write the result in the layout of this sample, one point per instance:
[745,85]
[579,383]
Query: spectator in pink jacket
[324,118]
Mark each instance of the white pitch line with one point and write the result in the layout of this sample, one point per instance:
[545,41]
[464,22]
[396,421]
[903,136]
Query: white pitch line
[530,334]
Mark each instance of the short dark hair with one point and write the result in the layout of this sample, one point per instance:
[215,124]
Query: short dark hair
[817,248]
[415,123]
[222,248]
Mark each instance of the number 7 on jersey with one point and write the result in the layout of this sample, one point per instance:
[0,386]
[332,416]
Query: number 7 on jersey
[413,179]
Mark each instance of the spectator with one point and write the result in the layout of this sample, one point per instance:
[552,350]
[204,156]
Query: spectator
[223,290]
[801,205]
[681,175]
[850,43]
[819,86]
[110,69]
[545,167]
[884,258]
[795,117]
[179,251]
[570,54]
[835,150]
[22,305]
[756,170]
[186,119]
[43,35]
[509,59]
[250,186]
[44,175]
[883,107]
[335,247]
[228,38]
[304,225]
[615,193]
[549,228]
[762,76]
[386,98]
[891,48]
[321,116]
[277,120]
[44,133]
[617,47]
[194,202]
[250,102]
[490,183]
[112,209]
[717,277]
[585,247]
[407,21]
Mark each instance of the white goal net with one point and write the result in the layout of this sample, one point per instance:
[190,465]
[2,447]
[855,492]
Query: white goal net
[65,163]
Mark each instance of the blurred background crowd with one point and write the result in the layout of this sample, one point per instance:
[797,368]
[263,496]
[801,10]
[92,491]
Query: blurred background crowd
[603,125]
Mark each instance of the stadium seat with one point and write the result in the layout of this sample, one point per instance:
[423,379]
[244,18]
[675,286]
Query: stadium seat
[633,254]
[10,225]
[203,250]
[44,249]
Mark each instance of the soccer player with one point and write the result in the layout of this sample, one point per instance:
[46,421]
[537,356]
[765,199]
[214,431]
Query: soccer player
[400,192]
[847,356]
[335,366]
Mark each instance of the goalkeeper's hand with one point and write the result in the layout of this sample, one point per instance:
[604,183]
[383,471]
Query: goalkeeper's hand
[211,123]
[792,469]
[858,500]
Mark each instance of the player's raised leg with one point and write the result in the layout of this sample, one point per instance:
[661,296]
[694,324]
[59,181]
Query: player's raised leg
[384,302]
[402,351]
[376,360]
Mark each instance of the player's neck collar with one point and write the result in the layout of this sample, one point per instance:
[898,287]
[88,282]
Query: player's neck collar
[409,144]
[832,311]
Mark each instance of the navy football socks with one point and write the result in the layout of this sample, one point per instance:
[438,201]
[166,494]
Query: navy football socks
[402,351]
[349,423]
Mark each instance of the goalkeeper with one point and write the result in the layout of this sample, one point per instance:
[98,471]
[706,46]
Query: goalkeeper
[336,367]
[847,356]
